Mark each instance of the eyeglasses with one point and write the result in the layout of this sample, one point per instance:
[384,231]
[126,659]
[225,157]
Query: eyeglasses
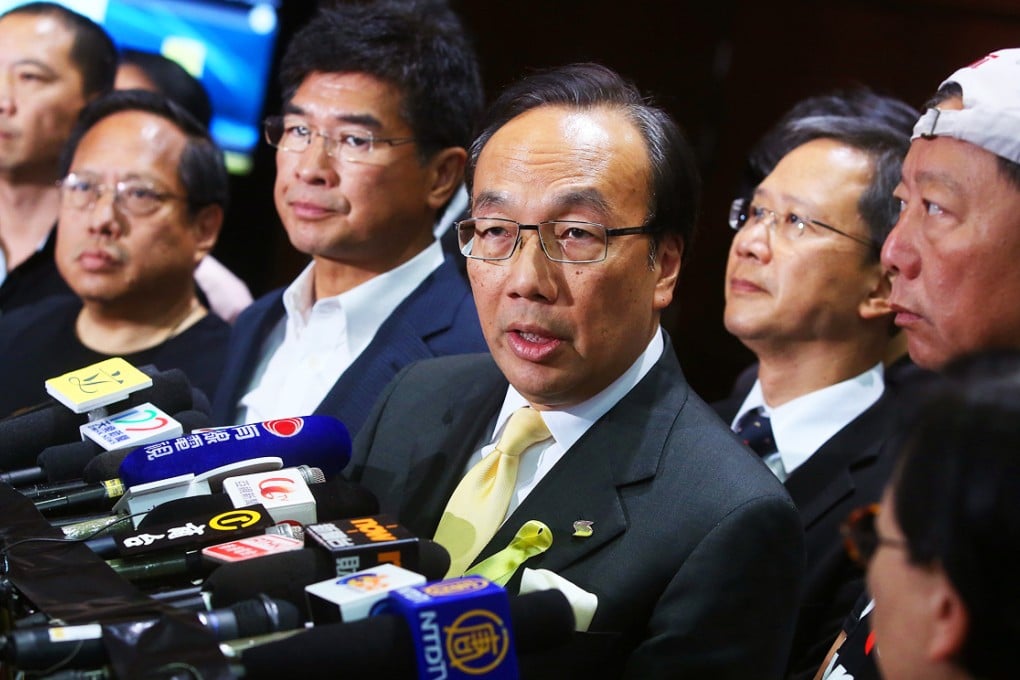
[355,146]
[138,197]
[790,226]
[860,535]
[496,238]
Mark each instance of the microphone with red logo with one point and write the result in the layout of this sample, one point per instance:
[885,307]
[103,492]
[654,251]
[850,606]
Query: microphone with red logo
[319,441]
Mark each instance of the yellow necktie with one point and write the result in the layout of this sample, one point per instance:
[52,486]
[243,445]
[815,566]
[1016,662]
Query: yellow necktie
[479,503]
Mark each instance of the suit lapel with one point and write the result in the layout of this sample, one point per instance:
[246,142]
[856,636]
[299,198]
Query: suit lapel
[826,477]
[623,447]
[400,341]
[461,428]
[246,340]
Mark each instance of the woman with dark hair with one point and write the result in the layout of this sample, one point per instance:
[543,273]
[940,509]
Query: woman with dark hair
[942,549]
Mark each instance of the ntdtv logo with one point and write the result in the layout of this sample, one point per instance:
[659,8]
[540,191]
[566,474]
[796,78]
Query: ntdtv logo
[461,628]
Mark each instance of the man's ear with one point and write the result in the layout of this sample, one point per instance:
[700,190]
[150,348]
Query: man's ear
[668,254]
[950,622]
[446,171]
[206,225]
[876,304]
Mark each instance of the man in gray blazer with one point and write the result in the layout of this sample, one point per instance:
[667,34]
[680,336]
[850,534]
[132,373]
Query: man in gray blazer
[681,552]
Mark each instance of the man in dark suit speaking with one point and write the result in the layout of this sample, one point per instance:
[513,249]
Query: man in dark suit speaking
[681,553]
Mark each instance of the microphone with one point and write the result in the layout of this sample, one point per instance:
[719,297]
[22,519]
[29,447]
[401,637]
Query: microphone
[334,498]
[42,648]
[65,462]
[282,500]
[353,597]
[23,436]
[320,441]
[190,535]
[362,542]
[385,645]
[285,575]
[82,498]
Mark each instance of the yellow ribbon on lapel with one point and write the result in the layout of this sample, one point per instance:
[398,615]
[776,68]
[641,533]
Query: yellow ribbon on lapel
[533,538]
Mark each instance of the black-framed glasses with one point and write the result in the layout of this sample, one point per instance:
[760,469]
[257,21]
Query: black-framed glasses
[860,535]
[496,238]
[789,226]
[136,196]
[355,145]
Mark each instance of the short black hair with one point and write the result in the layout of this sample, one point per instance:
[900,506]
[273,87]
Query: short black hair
[955,499]
[171,79]
[855,102]
[201,170]
[875,124]
[419,47]
[884,146]
[674,180]
[92,50]
[1010,170]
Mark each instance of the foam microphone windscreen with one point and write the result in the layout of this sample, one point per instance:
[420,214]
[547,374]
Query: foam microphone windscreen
[319,441]
[200,402]
[283,576]
[383,645]
[24,436]
[339,499]
[433,560]
[62,462]
[184,509]
[103,465]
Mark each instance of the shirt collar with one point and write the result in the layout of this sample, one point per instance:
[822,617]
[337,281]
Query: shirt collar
[802,425]
[569,424]
[365,304]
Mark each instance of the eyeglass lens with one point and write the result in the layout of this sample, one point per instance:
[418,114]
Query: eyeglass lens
[562,241]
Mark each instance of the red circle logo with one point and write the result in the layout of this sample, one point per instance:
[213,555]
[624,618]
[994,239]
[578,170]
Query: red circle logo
[284,427]
[277,488]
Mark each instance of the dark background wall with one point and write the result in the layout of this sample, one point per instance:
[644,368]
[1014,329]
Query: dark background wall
[725,70]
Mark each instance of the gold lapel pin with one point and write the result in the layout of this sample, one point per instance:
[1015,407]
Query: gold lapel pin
[582,528]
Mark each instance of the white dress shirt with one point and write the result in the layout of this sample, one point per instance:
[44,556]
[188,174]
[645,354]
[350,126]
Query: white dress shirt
[317,340]
[802,425]
[567,425]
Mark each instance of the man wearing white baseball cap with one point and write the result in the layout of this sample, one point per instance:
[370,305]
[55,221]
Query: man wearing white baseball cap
[954,258]
[954,254]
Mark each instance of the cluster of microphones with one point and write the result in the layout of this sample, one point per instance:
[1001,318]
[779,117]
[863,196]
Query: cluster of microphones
[139,541]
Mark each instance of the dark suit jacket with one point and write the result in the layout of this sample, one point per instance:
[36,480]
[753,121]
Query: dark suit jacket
[697,551]
[437,318]
[849,470]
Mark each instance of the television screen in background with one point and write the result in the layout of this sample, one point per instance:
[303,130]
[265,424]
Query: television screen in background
[227,44]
